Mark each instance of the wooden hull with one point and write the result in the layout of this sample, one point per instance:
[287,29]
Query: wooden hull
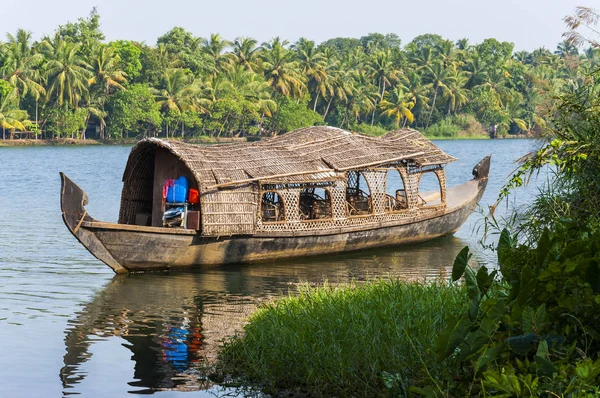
[128,248]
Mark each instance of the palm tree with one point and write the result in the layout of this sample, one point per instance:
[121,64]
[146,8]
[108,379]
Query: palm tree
[383,71]
[446,52]
[457,93]
[313,66]
[476,71]
[413,83]
[20,66]
[245,52]
[178,95]
[106,71]
[214,48]
[363,100]
[437,77]
[11,117]
[67,73]
[280,69]
[398,107]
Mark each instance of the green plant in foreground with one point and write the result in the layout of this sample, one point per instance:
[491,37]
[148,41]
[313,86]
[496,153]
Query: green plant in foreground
[347,341]
[537,331]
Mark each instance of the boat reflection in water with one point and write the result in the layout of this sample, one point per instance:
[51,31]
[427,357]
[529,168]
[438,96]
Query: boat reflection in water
[173,324]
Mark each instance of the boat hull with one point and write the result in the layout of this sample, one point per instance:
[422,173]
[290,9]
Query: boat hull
[141,251]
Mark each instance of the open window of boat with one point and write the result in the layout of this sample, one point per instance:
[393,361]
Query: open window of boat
[358,194]
[315,204]
[396,196]
[272,208]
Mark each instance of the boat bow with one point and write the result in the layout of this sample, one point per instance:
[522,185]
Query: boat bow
[72,203]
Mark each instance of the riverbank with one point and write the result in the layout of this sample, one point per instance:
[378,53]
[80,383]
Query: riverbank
[132,141]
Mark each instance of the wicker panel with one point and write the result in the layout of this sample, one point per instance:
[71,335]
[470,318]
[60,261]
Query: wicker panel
[376,181]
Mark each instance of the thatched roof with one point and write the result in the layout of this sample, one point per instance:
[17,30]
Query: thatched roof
[307,154]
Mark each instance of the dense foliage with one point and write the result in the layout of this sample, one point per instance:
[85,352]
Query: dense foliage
[533,329]
[572,155]
[73,83]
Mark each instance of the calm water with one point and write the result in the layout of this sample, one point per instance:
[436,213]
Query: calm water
[68,326]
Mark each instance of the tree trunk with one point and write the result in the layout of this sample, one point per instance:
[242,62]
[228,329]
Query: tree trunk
[328,105]
[316,100]
[36,117]
[432,108]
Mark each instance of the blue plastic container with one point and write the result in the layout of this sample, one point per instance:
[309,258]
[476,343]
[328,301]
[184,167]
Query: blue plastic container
[179,191]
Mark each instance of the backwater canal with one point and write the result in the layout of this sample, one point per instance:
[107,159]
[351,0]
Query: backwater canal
[69,326]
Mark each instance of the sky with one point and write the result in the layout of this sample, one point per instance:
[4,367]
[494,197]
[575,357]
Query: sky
[529,24]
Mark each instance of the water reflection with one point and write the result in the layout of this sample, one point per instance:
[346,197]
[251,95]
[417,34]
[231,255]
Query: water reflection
[173,324]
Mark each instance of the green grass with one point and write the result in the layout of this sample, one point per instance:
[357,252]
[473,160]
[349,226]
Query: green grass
[340,341]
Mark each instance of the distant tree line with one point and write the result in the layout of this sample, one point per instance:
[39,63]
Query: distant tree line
[74,84]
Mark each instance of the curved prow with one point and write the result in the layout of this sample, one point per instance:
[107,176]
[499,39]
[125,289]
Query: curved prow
[482,169]
[72,203]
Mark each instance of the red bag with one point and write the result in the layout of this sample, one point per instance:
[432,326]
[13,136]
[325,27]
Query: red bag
[193,196]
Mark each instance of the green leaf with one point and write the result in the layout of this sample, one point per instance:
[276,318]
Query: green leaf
[488,356]
[450,338]
[504,244]
[471,282]
[460,263]
[543,248]
[542,359]
[483,280]
[528,322]
[540,315]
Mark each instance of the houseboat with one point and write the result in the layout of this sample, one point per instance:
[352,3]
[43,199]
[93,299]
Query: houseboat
[312,191]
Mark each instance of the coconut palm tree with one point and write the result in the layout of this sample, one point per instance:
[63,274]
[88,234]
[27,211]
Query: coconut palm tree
[106,70]
[398,106]
[20,66]
[383,71]
[245,52]
[214,47]
[457,93]
[179,95]
[313,66]
[281,70]
[413,84]
[66,71]
[437,78]
[11,117]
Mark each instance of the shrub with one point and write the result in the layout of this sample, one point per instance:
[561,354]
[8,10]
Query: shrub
[444,128]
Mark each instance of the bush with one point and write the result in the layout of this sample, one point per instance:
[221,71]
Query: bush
[537,331]
[444,128]
[456,126]
[293,115]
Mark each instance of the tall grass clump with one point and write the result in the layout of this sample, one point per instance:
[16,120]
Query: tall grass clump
[346,341]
